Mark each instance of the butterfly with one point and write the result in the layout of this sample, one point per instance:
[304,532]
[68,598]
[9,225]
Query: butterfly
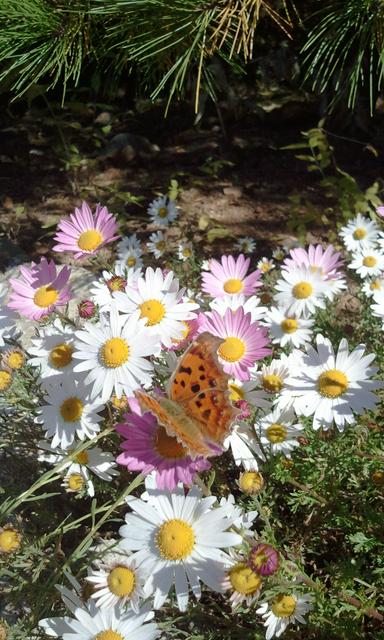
[197,410]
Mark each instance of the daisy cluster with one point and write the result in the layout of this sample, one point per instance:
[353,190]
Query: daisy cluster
[283,377]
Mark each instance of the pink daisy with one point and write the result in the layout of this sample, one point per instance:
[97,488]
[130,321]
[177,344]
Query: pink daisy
[243,343]
[85,234]
[40,289]
[148,447]
[327,262]
[229,277]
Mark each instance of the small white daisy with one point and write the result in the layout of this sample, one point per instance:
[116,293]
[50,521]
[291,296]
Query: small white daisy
[244,584]
[129,252]
[53,351]
[157,244]
[185,251]
[74,482]
[244,446]
[116,280]
[114,353]
[118,581]
[287,329]
[272,378]
[371,286]
[250,305]
[69,413]
[8,318]
[359,233]
[332,387]
[285,609]
[128,242]
[178,539]
[368,263]
[246,244]
[280,252]
[159,303]
[162,211]
[301,291]
[279,432]
[249,391]
[265,265]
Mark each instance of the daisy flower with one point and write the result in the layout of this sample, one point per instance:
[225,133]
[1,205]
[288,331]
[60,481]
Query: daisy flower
[116,280]
[242,520]
[273,377]
[114,355]
[185,251]
[246,244]
[279,431]
[280,252]
[52,350]
[69,413]
[265,265]
[286,329]
[178,539]
[229,276]
[159,303]
[84,233]
[40,289]
[241,581]
[12,358]
[326,261]
[74,481]
[129,252]
[7,318]
[285,609]
[367,263]
[251,482]
[10,540]
[6,379]
[157,244]
[243,343]
[332,387]
[370,287]
[117,581]
[240,390]
[128,242]
[250,305]
[244,446]
[147,447]
[162,211]
[91,623]
[301,291]
[360,233]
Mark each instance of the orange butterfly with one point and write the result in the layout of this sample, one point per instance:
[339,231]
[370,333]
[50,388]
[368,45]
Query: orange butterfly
[197,410]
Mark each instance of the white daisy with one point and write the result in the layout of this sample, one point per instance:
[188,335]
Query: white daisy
[265,265]
[279,432]
[116,280]
[53,351]
[243,583]
[370,287]
[185,251]
[159,303]
[114,352]
[359,233]
[244,446]
[128,242]
[69,413]
[272,378]
[74,482]
[280,252]
[301,291]
[286,329]
[250,305]
[129,252]
[90,623]
[332,387]
[285,609]
[157,244]
[368,263]
[178,539]
[249,391]
[162,211]
[8,318]
[117,581]
[245,244]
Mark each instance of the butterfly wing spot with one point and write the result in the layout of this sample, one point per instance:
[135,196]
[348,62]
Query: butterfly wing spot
[195,387]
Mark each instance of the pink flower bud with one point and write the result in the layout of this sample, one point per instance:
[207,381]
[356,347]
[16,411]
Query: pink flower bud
[263,559]
[86,309]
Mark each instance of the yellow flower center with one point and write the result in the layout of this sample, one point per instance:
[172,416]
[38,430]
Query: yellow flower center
[276,433]
[231,349]
[175,540]
[289,325]
[359,233]
[109,635]
[71,409]
[186,252]
[251,482]
[9,540]
[90,240]
[265,267]
[332,383]
[15,360]
[375,285]
[244,580]
[45,296]
[131,261]
[119,403]
[233,285]
[160,246]
[369,261]
[82,457]
[162,212]
[75,482]
[235,392]
[302,290]
[61,355]
[283,606]
[114,352]
[167,446]
[5,380]
[272,383]
[121,581]
[116,283]
[153,311]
